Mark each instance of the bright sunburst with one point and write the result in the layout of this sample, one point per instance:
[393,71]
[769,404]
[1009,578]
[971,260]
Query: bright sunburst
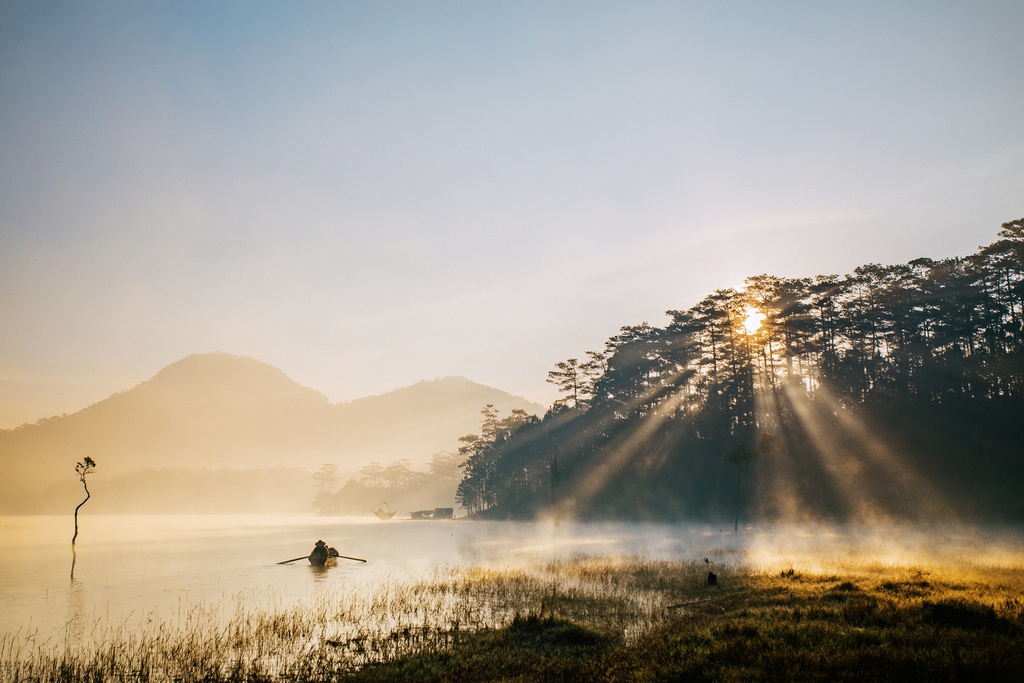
[752,323]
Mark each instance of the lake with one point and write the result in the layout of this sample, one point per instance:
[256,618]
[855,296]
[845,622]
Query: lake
[136,571]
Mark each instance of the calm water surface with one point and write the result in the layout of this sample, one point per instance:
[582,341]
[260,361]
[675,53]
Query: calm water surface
[133,571]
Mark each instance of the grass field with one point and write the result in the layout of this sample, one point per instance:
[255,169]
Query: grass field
[589,618]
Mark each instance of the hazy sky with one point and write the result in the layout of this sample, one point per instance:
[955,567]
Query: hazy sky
[370,194]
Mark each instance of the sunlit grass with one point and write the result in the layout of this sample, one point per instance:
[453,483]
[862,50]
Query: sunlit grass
[593,618]
[865,624]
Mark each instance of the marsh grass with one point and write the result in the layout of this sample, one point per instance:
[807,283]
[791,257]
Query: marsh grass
[582,618]
[860,625]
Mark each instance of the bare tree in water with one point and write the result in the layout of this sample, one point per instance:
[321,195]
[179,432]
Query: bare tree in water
[83,468]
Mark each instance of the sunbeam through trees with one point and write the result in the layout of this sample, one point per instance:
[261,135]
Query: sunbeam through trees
[891,392]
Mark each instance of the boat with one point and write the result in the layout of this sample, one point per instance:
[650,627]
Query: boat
[384,511]
[436,513]
[323,561]
[323,555]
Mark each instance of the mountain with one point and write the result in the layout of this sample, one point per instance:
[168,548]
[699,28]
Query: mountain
[223,412]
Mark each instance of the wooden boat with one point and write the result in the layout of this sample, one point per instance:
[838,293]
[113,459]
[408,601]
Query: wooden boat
[322,555]
[323,561]
[384,511]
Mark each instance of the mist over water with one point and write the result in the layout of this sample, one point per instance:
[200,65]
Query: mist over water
[136,571]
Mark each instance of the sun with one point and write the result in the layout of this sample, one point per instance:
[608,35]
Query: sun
[752,321]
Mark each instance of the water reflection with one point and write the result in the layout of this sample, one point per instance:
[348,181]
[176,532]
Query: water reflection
[75,623]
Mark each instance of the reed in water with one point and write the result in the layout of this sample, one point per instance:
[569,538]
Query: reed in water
[587,617]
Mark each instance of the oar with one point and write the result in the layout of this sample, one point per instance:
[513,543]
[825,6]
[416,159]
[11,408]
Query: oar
[304,557]
[343,557]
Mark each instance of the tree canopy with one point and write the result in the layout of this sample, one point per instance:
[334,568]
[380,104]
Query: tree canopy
[890,391]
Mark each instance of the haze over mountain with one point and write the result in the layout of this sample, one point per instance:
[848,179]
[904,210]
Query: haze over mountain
[224,412]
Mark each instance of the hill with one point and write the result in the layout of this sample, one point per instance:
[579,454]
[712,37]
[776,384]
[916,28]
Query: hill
[222,412]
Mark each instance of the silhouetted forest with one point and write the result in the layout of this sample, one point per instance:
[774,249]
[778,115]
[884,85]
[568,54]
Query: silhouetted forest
[893,392]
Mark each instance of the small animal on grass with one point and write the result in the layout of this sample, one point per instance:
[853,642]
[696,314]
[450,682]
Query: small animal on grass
[712,578]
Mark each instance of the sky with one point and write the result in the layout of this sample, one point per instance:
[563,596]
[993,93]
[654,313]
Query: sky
[370,194]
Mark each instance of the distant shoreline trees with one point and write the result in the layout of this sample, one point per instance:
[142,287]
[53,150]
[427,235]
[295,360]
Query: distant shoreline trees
[909,374]
[325,483]
[398,482]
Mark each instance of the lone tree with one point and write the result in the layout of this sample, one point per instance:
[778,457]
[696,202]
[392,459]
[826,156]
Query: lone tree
[740,456]
[83,468]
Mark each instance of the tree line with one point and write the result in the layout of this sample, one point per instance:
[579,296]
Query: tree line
[397,482]
[890,391]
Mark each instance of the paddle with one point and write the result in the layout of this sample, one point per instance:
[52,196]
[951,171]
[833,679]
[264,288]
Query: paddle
[304,557]
[343,557]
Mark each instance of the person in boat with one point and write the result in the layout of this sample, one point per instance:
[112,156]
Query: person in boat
[320,553]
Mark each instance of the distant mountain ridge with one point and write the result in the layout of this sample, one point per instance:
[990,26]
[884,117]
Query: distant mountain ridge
[218,410]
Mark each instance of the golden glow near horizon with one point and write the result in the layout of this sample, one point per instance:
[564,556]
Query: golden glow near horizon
[752,321]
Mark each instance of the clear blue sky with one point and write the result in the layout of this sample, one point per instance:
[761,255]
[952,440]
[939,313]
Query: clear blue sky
[370,194]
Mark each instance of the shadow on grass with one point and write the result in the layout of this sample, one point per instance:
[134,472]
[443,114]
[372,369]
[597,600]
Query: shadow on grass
[530,648]
[966,615]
